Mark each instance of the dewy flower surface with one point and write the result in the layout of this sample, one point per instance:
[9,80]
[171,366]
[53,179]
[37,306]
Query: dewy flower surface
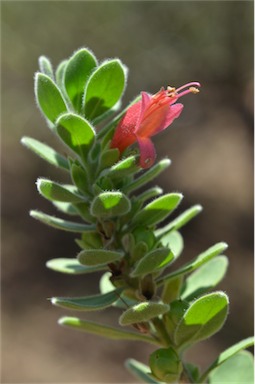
[149,116]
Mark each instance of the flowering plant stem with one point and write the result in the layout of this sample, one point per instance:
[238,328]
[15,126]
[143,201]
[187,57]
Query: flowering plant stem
[119,221]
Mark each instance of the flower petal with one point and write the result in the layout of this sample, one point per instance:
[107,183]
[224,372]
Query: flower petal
[124,135]
[147,152]
[174,112]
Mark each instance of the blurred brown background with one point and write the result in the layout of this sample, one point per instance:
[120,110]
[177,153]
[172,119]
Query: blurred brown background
[211,146]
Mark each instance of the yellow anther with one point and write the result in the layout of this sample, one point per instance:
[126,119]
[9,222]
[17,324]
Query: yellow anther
[171,91]
[194,90]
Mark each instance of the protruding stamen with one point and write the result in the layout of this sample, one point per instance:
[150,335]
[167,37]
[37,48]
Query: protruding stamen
[190,85]
[192,88]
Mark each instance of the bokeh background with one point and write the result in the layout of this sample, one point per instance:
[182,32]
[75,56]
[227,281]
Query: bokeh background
[211,147]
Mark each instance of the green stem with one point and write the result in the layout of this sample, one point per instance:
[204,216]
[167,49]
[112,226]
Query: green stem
[162,333]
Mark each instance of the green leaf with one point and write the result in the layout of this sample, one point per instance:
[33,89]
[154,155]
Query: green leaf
[108,158]
[71,266]
[91,240]
[158,209]
[174,241]
[124,167]
[45,152]
[204,317]
[49,97]
[66,208]
[201,259]
[103,330]
[58,223]
[192,372]
[76,133]
[180,221]
[104,88]
[205,278]
[171,289]
[110,204]
[45,66]
[153,262]
[93,257]
[80,178]
[141,312]
[149,194]
[238,369]
[84,212]
[147,176]
[140,370]
[87,303]
[106,285]
[174,316]
[145,235]
[227,354]
[54,191]
[139,251]
[60,73]
[77,72]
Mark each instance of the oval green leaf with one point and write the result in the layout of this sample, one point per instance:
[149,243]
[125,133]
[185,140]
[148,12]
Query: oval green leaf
[153,262]
[158,209]
[54,191]
[45,152]
[124,167]
[180,221]
[110,204]
[174,241]
[201,259]
[71,266]
[77,72]
[238,369]
[108,158]
[87,303]
[60,73]
[80,178]
[76,133]
[104,88]
[144,311]
[45,66]
[67,208]
[49,97]
[93,257]
[104,330]
[58,223]
[205,278]
[204,318]
[227,354]
[147,176]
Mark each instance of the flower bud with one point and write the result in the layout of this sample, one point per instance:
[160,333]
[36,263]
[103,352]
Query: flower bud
[165,365]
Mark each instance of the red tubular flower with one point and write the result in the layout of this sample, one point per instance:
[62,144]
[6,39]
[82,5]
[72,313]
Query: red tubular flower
[149,116]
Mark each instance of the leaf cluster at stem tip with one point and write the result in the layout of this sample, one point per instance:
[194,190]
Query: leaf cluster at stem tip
[127,229]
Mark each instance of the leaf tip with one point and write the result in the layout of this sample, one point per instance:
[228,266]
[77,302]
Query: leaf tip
[223,245]
[33,213]
[53,300]
[63,320]
[198,207]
